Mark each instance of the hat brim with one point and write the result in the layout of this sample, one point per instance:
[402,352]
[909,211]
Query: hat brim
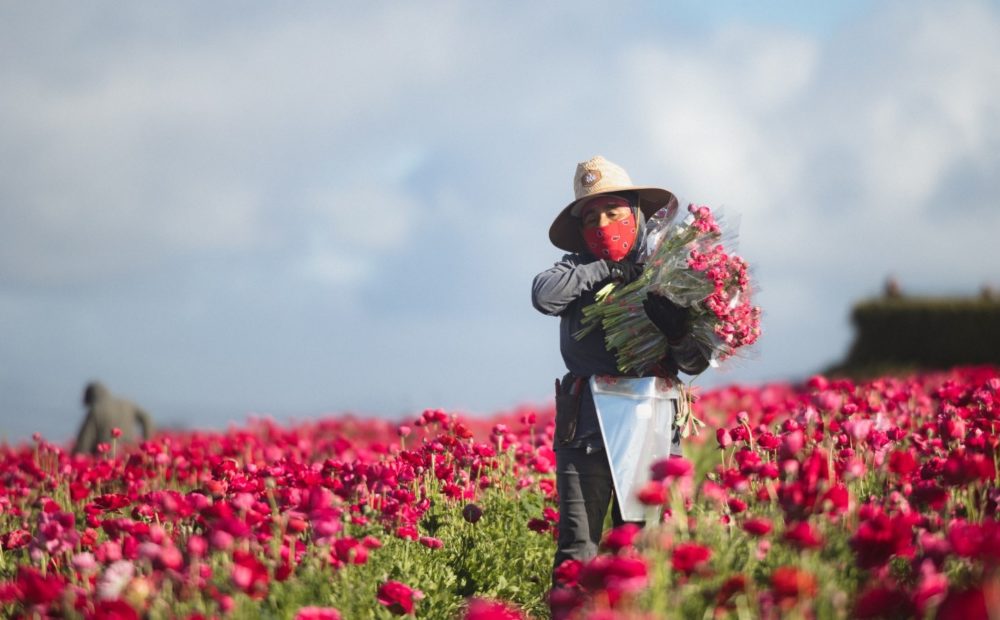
[565,230]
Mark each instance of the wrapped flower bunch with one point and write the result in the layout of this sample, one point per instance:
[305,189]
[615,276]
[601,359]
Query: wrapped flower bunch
[687,261]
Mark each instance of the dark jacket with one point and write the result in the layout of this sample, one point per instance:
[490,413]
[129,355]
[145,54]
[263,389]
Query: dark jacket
[563,291]
[106,412]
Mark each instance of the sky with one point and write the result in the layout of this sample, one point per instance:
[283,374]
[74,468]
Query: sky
[303,209]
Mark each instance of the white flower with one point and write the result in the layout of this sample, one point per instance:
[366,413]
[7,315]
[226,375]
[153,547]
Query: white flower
[114,580]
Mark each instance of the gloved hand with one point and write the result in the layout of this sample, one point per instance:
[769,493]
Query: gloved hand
[668,317]
[623,271]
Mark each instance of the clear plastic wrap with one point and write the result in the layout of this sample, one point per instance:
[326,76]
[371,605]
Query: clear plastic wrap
[691,262]
[637,418]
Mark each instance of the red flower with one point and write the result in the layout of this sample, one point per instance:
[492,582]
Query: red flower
[688,557]
[563,601]
[671,467]
[249,574]
[757,526]
[736,505]
[722,436]
[617,575]
[621,537]
[317,613]
[735,584]
[196,546]
[964,605]
[880,537]
[653,493]
[407,532]
[15,539]
[836,500]
[789,582]
[482,609]
[113,610]
[966,538]
[472,513]
[902,463]
[928,492]
[431,543]
[349,551]
[881,602]
[568,572]
[803,536]
[398,597]
[36,588]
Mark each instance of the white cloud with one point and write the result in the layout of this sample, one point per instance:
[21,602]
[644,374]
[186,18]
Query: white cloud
[838,154]
[352,226]
[712,110]
[278,149]
[163,150]
[891,129]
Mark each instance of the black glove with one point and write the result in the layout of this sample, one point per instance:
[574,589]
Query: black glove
[623,271]
[668,317]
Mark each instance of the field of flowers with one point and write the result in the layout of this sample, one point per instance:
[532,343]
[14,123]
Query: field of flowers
[824,500]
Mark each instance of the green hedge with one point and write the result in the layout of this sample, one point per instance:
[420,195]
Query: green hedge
[922,333]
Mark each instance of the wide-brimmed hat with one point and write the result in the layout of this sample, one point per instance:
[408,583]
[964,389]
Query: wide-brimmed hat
[594,177]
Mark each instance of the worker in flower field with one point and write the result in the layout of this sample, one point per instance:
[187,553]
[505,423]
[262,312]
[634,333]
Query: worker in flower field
[603,229]
[105,414]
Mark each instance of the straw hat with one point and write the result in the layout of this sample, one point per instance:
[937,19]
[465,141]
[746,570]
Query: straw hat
[594,177]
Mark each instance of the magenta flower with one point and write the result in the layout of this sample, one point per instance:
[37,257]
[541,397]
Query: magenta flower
[398,597]
[317,613]
[621,537]
[757,526]
[671,467]
[482,609]
[803,536]
[689,557]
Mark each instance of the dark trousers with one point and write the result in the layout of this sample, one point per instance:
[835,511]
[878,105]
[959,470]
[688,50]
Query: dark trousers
[585,489]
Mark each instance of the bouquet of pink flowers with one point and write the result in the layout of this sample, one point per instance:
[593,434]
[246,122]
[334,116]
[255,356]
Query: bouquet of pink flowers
[686,262]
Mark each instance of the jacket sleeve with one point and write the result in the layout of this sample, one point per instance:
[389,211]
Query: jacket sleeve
[146,421]
[555,289]
[687,356]
[86,438]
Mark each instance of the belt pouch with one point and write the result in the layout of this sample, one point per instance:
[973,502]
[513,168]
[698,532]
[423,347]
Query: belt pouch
[567,407]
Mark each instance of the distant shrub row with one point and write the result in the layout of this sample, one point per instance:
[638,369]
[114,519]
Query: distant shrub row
[922,333]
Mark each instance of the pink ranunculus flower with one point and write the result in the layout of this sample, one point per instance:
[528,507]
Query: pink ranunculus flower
[116,576]
[803,536]
[482,609]
[621,537]
[757,526]
[317,613]
[671,467]
[398,597]
[689,557]
[84,562]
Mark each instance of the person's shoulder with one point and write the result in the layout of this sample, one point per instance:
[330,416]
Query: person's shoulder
[576,259]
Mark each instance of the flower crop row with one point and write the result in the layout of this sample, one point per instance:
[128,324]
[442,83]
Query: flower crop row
[830,499]
[344,517]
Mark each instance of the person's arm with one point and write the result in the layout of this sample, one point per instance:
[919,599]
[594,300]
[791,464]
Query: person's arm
[555,289]
[86,438]
[146,421]
[687,355]
[683,353]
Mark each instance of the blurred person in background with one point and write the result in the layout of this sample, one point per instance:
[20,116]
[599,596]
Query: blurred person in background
[106,412]
[603,230]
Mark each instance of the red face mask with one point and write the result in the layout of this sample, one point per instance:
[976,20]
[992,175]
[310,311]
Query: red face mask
[613,241]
